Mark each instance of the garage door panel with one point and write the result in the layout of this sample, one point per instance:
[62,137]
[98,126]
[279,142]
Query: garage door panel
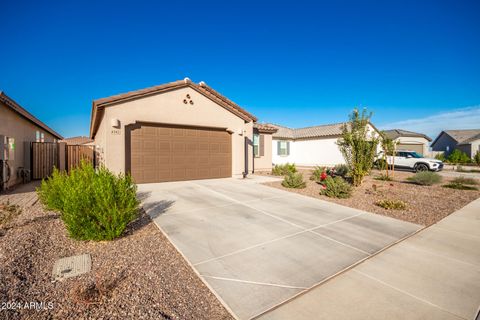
[411,147]
[163,153]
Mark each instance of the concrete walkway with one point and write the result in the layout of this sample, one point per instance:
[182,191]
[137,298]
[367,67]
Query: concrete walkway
[257,246]
[435,274]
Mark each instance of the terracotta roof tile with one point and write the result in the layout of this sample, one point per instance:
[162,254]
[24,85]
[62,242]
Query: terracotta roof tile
[77,140]
[265,128]
[464,136]
[308,132]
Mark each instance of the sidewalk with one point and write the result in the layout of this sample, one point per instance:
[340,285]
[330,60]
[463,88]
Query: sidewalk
[433,275]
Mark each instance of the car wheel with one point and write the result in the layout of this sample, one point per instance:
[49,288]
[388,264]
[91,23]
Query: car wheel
[421,167]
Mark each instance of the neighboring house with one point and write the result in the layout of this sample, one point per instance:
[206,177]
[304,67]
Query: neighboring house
[22,128]
[80,140]
[467,141]
[311,146]
[176,131]
[409,141]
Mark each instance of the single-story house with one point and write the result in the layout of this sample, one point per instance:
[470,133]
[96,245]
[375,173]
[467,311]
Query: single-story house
[176,131]
[467,141]
[409,140]
[80,140]
[18,128]
[310,146]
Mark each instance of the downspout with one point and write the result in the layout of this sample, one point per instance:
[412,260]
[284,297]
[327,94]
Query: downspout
[245,172]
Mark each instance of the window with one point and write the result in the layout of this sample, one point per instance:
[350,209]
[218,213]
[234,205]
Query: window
[256,145]
[37,136]
[42,137]
[283,148]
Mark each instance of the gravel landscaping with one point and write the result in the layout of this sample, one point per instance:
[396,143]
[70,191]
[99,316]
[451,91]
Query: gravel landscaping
[138,276]
[425,205]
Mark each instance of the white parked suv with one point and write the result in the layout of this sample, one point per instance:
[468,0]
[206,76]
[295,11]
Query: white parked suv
[412,160]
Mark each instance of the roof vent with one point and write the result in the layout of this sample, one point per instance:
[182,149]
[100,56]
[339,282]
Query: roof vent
[202,84]
[187,80]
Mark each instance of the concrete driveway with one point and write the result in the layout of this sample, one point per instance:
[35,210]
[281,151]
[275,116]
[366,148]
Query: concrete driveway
[257,246]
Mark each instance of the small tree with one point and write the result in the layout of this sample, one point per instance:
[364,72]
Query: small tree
[358,146]
[388,147]
[476,158]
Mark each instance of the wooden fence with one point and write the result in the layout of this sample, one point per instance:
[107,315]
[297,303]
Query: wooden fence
[76,153]
[44,159]
[47,155]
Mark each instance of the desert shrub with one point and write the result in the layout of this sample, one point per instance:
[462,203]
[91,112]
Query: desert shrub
[294,180]
[336,187]
[94,205]
[459,186]
[8,212]
[358,146]
[391,204]
[341,170]
[476,158]
[461,169]
[425,178]
[383,177]
[440,156]
[458,156]
[317,174]
[284,169]
[464,180]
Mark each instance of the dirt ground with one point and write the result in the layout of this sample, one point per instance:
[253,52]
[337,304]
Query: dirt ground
[139,276]
[426,205]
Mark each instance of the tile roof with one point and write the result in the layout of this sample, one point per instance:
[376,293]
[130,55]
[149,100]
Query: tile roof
[77,140]
[265,128]
[308,132]
[396,133]
[464,136]
[99,104]
[9,102]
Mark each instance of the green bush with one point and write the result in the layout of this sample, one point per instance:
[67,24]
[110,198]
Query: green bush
[336,187]
[425,178]
[294,180]
[341,170]
[459,186]
[476,158]
[383,177]
[440,156]
[316,174]
[391,204]
[464,180]
[93,205]
[460,169]
[458,156]
[284,169]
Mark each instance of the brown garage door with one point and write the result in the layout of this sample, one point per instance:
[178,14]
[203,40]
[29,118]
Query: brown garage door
[410,147]
[172,153]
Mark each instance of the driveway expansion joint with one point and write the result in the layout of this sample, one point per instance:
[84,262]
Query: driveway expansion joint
[255,282]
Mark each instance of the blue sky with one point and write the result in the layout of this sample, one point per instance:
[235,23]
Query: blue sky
[413,63]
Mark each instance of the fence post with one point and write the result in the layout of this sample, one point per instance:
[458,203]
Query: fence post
[62,156]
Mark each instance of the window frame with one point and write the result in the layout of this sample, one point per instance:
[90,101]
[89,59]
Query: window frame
[283,152]
[256,145]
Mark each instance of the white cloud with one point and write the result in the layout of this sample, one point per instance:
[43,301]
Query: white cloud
[464,118]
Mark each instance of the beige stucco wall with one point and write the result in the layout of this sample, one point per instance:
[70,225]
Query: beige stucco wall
[475,147]
[169,108]
[264,163]
[22,130]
